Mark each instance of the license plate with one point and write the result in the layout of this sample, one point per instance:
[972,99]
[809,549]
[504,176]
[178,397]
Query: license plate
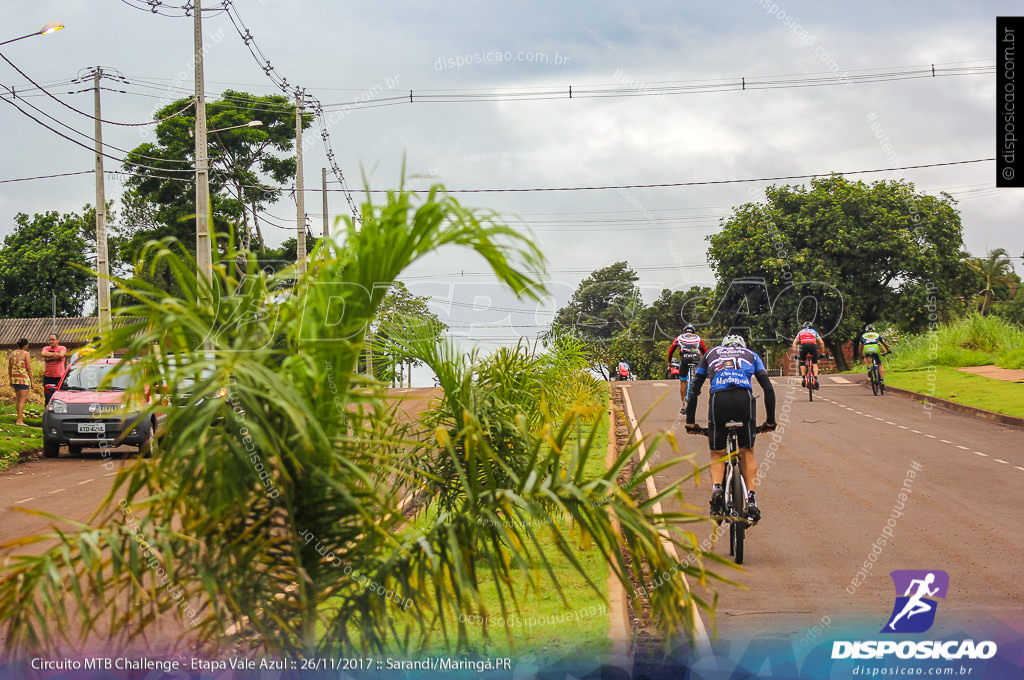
[92,428]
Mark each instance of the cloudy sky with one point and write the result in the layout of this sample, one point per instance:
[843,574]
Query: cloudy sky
[670,111]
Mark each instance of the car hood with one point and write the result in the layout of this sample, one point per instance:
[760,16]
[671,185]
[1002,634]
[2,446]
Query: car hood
[89,397]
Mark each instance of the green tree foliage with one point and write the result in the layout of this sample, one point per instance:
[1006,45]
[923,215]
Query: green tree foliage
[840,254]
[602,307]
[45,255]
[161,193]
[274,513]
[401,312]
[996,273]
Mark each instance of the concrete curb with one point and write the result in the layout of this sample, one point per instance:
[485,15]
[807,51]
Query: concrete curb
[981,413]
[620,632]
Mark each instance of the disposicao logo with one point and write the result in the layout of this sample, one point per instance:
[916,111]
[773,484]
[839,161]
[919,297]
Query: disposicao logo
[914,612]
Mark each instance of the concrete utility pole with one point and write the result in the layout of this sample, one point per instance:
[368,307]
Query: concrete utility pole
[327,227]
[300,201]
[204,249]
[102,266]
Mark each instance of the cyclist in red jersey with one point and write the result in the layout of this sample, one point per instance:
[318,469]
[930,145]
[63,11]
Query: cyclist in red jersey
[691,348]
[808,342]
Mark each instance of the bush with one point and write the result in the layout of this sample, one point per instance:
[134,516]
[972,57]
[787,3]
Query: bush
[974,340]
[1012,359]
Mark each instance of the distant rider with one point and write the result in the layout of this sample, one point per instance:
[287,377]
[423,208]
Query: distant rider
[869,343]
[691,348]
[730,367]
[623,371]
[808,342]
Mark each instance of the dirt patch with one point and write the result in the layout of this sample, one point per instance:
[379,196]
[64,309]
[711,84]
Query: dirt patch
[996,372]
[648,645]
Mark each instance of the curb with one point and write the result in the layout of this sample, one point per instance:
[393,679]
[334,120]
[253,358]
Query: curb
[974,411]
[620,632]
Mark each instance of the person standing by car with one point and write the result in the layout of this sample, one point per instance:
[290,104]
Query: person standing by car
[19,370]
[53,357]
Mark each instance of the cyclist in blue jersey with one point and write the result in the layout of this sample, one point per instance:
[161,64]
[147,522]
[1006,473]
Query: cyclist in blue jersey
[729,367]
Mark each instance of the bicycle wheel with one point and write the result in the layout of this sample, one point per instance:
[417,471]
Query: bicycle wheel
[691,374]
[739,527]
[873,375]
[810,381]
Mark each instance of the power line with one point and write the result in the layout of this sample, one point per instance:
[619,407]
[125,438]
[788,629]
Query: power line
[62,174]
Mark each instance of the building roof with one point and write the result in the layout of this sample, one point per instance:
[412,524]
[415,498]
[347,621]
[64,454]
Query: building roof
[72,330]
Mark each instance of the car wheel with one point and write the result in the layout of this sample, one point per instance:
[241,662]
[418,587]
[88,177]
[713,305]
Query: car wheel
[147,447]
[75,449]
[51,449]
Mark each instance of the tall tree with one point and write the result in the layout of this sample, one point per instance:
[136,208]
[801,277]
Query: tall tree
[242,161]
[401,314]
[46,256]
[602,307]
[840,254]
[997,271]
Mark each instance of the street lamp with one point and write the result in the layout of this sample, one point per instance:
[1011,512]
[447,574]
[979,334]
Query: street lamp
[251,123]
[51,27]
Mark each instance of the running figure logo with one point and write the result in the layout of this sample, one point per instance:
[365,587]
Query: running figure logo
[914,611]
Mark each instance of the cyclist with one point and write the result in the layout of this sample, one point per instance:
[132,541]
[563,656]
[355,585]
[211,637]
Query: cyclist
[730,367]
[623,371]
[869,343]
[691,349]
[808,342]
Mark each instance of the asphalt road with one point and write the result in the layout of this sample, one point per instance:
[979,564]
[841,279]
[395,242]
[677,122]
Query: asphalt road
[828,494]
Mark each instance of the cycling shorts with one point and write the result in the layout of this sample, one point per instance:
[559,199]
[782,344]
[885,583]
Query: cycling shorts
[875,357]
[809,349]
[685,360]
[731,404]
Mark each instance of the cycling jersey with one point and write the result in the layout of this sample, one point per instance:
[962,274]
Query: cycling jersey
[687,343]
[870,342]
[807,336]
[730,367]
[623,368]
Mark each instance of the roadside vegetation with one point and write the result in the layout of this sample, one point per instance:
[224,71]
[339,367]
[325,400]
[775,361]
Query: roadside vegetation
[973,340]
[264,503]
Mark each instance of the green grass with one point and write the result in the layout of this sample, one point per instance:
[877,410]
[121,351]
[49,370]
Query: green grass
[1000,396]
[971,341]
[13,439]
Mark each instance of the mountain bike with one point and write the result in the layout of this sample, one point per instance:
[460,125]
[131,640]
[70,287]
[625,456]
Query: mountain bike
[808,375]
[690,377]
[875,375]
[735,490]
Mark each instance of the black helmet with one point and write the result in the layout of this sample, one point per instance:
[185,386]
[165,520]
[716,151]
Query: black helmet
[807,324]
[688,328]
[870,328]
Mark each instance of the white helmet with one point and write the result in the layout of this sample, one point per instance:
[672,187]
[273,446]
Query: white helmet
[734,341]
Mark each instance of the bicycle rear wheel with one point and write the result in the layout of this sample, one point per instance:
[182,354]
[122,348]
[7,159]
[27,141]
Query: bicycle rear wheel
[810,381]
[738,528]
[873,375]
[691,374]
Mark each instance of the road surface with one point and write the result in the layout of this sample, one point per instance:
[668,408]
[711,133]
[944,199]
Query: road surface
[830,492]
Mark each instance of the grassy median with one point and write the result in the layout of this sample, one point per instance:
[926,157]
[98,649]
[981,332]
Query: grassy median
[1000,396]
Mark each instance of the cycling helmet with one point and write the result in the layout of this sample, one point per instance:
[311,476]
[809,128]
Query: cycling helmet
[734,341]
[688,328]
[870,328]
[807,324]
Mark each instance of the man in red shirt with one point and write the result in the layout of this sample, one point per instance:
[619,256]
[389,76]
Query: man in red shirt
[53,357]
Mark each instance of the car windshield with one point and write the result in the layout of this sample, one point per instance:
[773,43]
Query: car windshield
[88,377]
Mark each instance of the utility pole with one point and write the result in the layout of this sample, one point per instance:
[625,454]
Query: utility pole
[327,228]
[204,249]
[102,266]
[300,201]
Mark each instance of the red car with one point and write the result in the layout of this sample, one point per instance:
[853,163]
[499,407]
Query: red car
[88,411]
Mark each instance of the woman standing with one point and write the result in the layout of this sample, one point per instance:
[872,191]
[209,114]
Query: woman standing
[19,370]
